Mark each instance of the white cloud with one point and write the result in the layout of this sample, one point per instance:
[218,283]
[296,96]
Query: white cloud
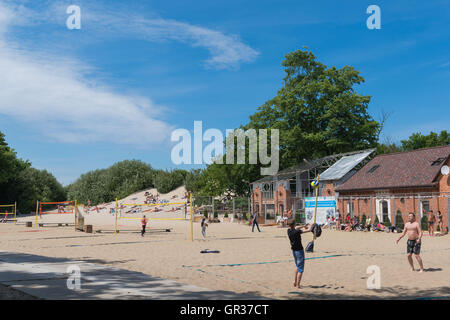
[226,51]
[52,94]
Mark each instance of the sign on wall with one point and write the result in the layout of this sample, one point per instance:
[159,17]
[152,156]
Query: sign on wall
[326,207]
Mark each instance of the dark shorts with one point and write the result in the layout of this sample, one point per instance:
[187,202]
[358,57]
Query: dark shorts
[299,258]
[413,247]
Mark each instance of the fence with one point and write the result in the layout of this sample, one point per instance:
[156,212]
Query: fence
[232,207]
[394,208]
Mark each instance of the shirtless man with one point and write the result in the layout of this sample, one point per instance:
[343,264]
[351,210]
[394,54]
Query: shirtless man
[414,240]
[431,221]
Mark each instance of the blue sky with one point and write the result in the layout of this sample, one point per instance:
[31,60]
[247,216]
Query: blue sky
[72,101]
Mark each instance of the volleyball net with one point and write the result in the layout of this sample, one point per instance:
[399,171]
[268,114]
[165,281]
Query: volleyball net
[56,208]
[8,210]
[168,210]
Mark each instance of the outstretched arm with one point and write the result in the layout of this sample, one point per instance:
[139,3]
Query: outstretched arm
[309,229]
[402,235]
[419,229]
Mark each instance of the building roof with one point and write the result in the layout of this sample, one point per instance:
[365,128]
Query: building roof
[306,165]
[411,169]
[344,165]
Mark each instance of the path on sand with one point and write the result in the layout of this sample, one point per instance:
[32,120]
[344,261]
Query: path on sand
[47,278]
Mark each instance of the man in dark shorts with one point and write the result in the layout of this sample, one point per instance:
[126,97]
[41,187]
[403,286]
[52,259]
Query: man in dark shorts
[414,240]
[431,221]
[295,238]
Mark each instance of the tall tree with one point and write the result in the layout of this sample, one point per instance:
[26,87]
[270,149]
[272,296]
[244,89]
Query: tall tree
[317,111]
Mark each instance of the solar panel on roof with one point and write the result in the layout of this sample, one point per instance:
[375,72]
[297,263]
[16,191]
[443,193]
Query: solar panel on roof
[343,166]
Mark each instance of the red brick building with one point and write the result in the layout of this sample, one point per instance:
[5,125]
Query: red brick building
[392,185]
[273,195]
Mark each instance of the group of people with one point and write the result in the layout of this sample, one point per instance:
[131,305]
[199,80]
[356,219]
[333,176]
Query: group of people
[151,199]
[434,220]
[354,224]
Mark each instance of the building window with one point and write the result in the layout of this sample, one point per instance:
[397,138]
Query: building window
[437,161]
[425,205]
[373,168]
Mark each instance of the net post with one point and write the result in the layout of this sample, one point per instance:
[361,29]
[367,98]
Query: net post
[76,207]
[190,201]
[315,206]
[37,208]
[15,212]
[115,218]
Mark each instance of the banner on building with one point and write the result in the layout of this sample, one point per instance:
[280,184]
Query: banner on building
[326,207]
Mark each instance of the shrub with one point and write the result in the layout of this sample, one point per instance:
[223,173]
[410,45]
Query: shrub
[424,222]
[376,220]
[205,213]
[226,215]
[399,220]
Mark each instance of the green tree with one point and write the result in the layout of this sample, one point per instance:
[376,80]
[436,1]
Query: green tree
[166,181]
[318,113]
[418,141]
[118,181]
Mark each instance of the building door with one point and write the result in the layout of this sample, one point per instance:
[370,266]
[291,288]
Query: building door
[383,210]
[424,206]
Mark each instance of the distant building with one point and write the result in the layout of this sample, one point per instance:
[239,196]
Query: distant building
[392,185]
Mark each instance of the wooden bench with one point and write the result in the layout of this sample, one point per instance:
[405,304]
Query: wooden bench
[56,224]
[134,231]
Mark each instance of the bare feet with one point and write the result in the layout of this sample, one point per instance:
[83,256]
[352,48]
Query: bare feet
[421,270]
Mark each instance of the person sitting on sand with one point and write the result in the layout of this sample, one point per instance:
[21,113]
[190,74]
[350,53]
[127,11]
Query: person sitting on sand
[285,219]
[368,226]
[414,240]
[294,234]
[392,228]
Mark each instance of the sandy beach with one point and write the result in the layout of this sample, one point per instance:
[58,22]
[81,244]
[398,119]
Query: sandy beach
[249,262]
